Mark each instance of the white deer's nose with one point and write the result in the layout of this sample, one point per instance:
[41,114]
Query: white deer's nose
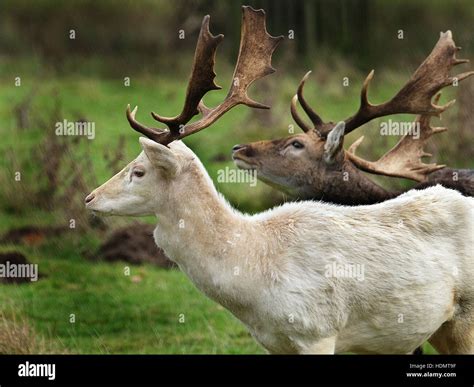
[89,198]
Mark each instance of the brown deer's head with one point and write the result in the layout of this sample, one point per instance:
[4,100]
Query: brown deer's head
[314,164]
[297,164]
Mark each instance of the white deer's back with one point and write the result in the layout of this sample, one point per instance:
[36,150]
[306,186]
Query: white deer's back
[357,270]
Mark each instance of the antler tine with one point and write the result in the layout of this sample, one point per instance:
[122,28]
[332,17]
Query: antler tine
[404,159]
[319,126]
[154,134]
[415,97]
[313,116]
[294,113]
[200,82]
[364,99]
[253,63]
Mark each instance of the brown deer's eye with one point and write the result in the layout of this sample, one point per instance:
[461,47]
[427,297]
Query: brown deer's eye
[138,173]
[297,145]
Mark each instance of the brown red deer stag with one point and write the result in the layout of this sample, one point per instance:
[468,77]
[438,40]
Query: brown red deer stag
[314,164]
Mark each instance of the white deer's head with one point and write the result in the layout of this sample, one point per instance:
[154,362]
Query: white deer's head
[141,188]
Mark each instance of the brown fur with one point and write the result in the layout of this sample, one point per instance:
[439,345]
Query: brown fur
[305,175]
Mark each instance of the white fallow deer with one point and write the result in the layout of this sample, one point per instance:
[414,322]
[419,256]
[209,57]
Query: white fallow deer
[306,277]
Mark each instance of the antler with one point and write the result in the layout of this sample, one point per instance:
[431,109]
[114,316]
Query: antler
[404,159]
[201,81]
[254,62]
[318,124]
[414,98]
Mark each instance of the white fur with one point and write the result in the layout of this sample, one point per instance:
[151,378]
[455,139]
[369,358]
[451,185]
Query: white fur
[270,270]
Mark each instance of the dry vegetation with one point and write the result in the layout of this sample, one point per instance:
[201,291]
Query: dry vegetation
[18,336]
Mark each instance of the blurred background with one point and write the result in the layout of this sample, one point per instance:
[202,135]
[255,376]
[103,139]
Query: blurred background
[104,287]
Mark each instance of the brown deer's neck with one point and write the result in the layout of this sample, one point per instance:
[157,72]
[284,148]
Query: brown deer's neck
[348,186]
[461,180]
[361,190]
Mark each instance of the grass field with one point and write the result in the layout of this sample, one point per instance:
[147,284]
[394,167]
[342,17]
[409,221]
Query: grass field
[151,310]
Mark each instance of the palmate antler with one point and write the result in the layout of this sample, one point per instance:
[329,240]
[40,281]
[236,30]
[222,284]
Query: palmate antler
[415,97]
[254,62]
[404,159]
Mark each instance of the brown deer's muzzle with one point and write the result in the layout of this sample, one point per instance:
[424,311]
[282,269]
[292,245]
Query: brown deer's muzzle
[243,156]
[242,151]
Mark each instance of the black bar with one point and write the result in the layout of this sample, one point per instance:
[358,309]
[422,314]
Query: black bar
[200,369]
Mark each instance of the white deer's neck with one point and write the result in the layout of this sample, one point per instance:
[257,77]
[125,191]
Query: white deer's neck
[200,231]
[195,212]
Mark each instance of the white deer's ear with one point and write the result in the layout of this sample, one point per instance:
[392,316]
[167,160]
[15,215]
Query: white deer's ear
[334,142]
[160,156]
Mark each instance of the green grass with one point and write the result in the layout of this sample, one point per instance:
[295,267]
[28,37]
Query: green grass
[115,313]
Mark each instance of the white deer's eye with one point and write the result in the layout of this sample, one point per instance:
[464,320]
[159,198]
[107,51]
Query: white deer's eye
[138,172]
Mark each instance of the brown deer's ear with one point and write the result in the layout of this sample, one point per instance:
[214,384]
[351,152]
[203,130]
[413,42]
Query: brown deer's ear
[334,142]
[160,156]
